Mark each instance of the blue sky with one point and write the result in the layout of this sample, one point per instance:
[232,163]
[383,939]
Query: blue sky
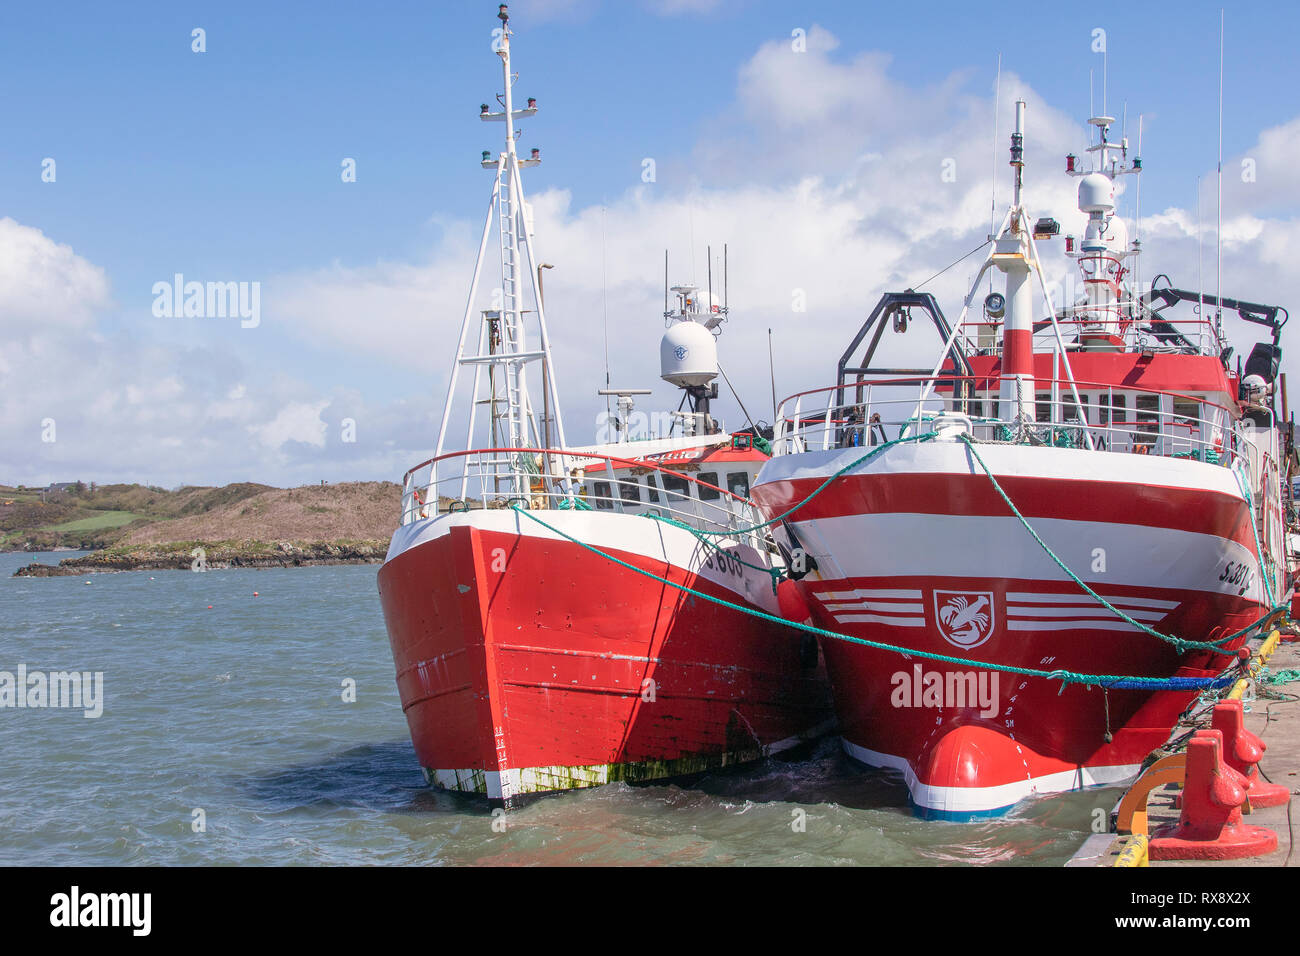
[225,165]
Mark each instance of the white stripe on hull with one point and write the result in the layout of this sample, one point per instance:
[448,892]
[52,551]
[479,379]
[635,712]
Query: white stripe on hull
[1028,461]
[986,799]
[655,540]
[960,546]
[1037,597]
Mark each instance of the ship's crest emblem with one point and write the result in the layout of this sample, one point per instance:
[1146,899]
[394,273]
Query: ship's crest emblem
[965,618]
[680,352]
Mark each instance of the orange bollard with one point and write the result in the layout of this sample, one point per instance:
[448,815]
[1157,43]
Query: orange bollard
[1242,751]
[1210,826]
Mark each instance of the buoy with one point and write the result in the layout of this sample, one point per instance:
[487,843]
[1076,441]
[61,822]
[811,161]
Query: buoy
[254,594]
[791,602]
[209,607]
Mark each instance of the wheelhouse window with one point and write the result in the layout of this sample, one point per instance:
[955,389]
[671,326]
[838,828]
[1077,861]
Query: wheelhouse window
[1115,412]
[675,487]
[708,478]
[738,483]
[1187,411]
[600,491]
[652,489]
[1148,419]
[629,489]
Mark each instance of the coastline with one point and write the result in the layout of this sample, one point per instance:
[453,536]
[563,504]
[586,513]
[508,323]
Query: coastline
[216,555]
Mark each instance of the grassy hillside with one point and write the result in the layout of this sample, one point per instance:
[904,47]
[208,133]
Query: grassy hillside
[237,526]
[92,517]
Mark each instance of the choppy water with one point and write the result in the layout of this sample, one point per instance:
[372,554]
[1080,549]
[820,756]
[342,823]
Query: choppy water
[238,710]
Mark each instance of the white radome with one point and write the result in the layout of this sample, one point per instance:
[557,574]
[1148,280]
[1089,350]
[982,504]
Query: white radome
[688,355]
[1096,193]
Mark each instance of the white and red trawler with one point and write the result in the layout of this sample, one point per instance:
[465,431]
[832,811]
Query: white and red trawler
[1129,444]
[537,645]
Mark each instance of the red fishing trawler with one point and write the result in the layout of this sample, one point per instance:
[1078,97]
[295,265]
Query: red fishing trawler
[1098,492]
[534,592]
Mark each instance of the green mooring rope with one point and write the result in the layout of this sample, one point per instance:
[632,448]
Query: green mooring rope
[1066,677]
[822,487]
[775,573]
[1178,642]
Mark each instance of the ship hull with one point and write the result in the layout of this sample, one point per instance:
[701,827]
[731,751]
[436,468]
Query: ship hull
[528,664]
[919,551]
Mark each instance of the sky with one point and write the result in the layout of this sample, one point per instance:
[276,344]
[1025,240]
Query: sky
[810,138]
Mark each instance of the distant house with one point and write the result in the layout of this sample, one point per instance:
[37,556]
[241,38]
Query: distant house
[61,486]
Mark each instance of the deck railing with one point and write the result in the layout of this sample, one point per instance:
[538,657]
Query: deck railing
[1125,419]
[553,479]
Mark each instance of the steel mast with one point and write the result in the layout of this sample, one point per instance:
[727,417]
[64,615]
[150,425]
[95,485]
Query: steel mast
[503,350]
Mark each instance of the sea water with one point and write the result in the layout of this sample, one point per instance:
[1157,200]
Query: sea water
[243,729]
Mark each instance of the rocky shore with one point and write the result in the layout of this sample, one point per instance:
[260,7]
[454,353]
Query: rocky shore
[193,555]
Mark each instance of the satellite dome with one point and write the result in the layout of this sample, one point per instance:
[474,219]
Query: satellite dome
[688,355]
[1096,193]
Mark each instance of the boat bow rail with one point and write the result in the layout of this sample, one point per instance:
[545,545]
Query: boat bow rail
[1121,419]
[557,480]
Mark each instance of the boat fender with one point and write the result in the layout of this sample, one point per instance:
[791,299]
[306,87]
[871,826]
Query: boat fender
[790,600]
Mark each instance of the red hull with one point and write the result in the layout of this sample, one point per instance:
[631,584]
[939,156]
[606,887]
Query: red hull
[527,664]
[918,554]
[1035,735]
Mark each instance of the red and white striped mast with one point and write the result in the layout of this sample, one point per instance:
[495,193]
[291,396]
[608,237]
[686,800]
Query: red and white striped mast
[501,361]
[1012,255]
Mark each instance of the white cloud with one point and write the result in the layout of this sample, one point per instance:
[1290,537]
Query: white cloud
[824,176]
[44,284]
[297,421]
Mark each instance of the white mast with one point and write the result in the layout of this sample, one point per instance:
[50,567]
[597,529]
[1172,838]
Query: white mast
[503,352]
[1011,255]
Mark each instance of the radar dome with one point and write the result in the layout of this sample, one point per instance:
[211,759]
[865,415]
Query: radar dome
[1096,193]
[688,355]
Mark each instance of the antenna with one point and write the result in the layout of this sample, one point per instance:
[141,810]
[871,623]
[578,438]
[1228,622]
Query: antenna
[725,303]
[1137,219]
[604,303]
[997,106]
[771,371]
[1105,71]
[1200,254]
[1218,229]
[708,251]
[665,282]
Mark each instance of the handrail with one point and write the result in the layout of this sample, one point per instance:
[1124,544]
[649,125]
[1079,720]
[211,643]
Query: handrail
[996,378]
[1116,420]
[570,453]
